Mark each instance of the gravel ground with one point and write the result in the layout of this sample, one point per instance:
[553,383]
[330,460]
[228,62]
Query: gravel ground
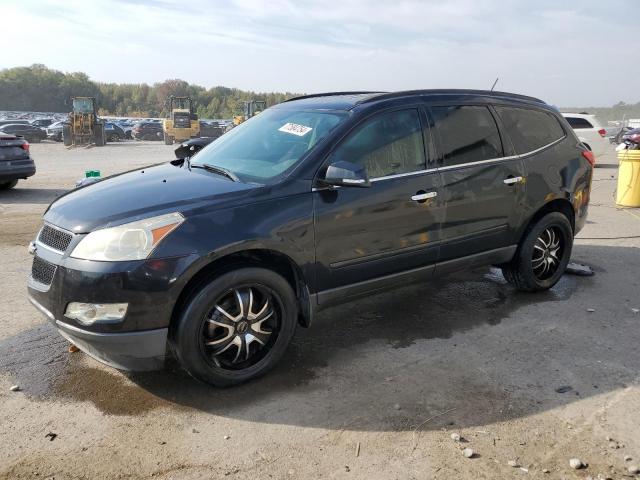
[374,390]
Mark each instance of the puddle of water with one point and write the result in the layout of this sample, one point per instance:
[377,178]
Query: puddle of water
[38,360]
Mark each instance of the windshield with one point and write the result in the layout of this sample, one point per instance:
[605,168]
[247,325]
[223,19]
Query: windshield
[270,143]
[82,105]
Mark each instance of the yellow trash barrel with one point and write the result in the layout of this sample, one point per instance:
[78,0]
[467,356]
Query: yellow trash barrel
[628,194]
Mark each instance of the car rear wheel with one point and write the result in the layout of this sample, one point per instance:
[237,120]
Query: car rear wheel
[543,254]
[8,185]
[237,327]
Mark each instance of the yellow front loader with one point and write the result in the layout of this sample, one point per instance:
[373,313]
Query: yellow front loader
[181,122]
[250,108]
[83,127]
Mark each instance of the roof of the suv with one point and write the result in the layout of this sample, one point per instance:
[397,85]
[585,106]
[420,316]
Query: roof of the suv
[349,100]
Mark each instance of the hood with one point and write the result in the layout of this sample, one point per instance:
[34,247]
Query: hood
[144,193]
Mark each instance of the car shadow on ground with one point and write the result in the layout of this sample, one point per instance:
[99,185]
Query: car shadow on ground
[19,194]
[464,350]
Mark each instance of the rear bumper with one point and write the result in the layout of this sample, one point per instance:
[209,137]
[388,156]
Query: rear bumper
[15,169]
[138,351]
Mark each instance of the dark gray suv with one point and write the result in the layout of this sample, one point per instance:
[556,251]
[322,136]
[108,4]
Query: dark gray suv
[322,199]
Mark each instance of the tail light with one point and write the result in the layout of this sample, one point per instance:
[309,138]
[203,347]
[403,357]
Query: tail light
[602,132]
[590,157]
[25,146]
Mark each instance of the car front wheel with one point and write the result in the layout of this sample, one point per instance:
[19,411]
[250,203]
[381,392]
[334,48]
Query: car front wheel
[237,327]
[543,254]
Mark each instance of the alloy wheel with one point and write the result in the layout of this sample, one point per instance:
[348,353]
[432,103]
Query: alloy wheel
[547,253]
[241,327]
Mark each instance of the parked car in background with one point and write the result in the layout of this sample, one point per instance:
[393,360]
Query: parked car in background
[147,131]
[590,132]
[42,122]
[317,201]
[14,122]
[54,131]
[29,132]
[113,132]
[126,126]
[211,129]
[15,161]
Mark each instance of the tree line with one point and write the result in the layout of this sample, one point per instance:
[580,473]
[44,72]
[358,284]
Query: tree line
[40,89]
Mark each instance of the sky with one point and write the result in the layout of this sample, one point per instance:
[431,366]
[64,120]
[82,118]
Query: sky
[569,53]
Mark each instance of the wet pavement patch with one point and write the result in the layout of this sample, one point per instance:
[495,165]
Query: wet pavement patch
[39,362]
[38,359]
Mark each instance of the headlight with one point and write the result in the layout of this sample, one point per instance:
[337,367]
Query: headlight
[131,241]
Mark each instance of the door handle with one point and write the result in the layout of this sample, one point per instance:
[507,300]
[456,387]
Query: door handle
[422,196]
[513,180]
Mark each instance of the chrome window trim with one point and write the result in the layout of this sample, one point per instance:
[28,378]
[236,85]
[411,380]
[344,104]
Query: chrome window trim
[460,165]
[503,159]
[407,174]
[543,148]
[481,162]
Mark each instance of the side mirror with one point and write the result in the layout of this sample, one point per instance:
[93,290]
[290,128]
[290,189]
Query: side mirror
[183,151]
[346,174]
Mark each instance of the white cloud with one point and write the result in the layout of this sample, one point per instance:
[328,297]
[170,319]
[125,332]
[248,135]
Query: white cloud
[567,53]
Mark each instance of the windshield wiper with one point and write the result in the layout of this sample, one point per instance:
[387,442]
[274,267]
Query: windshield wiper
[219,170]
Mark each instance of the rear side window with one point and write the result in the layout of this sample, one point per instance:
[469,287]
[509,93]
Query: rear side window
[388,144]
[578,123]
[530,129]
[467,134]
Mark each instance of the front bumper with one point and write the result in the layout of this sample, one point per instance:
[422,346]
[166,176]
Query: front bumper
[144,350]
[150,288]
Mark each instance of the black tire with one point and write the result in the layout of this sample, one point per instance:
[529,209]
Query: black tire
[99,135]
[527,271]
[8,185]
[67,135]
[198,324]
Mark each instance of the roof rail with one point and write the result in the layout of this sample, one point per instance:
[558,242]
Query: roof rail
[449,92]
[329,94]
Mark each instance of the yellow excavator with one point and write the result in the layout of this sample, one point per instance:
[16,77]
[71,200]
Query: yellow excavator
[83,127]
[250,108]
[181,122]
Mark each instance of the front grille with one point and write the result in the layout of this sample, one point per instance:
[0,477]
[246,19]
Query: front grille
[42,271]
[54,238]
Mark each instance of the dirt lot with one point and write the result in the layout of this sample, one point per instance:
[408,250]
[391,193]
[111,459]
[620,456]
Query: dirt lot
[373,390]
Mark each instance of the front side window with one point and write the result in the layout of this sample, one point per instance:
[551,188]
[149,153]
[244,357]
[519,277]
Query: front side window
[388,144]
[529,129]
[467,134]
[267,145]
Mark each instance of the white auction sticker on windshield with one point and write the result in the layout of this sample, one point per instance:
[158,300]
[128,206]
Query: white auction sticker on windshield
[295,129]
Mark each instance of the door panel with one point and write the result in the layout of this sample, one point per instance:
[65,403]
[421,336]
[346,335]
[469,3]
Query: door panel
[482,211]
[483,189]
[391,226]
[363,233]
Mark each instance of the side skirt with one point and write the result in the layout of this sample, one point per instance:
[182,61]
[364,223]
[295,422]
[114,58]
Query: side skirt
[347,293]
